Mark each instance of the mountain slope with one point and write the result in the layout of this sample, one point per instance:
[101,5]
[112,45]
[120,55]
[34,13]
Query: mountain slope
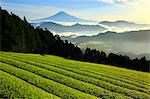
[73,28]
[63,17]
[136,42]
[123,24]
[59,77]
[19,36]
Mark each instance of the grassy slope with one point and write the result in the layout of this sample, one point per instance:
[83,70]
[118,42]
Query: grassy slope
[55,76]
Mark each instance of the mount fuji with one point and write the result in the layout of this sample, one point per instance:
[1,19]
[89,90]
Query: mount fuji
[63,17]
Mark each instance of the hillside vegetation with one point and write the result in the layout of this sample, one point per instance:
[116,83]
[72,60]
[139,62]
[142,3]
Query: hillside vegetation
[18,35]
[46,76]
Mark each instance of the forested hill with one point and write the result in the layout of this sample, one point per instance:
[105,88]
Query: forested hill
[19,36]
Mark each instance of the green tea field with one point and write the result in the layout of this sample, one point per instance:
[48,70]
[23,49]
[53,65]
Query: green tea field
[35,76]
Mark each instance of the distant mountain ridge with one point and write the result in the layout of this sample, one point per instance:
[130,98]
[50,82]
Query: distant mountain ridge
[64,22]
[123,24]
[73,28]
[19,36]
[85,28]
[64,17]
[136,42]
[141,35]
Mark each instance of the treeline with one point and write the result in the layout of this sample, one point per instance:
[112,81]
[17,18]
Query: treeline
[91,55]
[18,35]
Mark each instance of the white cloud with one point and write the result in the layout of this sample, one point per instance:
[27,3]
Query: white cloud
[119,1]
[137,11]
[106,1]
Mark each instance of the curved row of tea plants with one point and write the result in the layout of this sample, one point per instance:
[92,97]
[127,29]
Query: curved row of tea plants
[89,70]
[101,77]
[45,84]
[13,87]
[82,78]
[76,84]
[96,70]
[69,82]
[136,76]
[74,79]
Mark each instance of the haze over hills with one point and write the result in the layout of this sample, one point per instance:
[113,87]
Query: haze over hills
[76,28]
[126,38]
[136,42]
[69,55]
[124,25]
[80,29]
[63,17]
[66,24]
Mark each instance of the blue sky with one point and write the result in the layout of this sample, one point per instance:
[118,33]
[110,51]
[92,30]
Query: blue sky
[76,4]
[86,9]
